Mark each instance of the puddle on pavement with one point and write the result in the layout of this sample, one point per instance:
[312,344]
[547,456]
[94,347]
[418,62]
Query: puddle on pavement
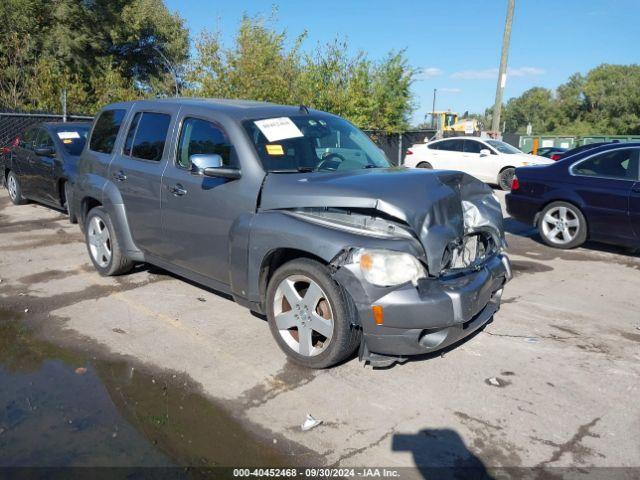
[53,412]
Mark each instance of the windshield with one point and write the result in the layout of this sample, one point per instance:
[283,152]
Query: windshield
[308,143]
[73,138]
[503,147]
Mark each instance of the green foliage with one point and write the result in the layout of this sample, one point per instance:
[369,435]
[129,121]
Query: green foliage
[604,101]
[259,66]
[99,51]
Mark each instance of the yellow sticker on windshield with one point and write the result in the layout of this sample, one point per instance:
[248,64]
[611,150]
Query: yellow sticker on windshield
[275,150]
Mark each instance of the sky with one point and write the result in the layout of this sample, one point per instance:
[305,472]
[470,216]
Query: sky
[454,44]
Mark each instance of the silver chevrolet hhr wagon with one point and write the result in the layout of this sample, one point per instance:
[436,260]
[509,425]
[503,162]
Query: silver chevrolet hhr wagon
[298,216]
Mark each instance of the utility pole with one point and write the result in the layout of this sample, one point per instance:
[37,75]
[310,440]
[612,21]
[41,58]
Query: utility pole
[63,100]
[502,74]
[433,109]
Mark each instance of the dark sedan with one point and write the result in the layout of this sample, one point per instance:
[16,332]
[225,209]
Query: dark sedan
[594,195]
[568,153]
[42,164]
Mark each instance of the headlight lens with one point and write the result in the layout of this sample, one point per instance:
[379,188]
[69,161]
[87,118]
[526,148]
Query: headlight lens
[385,268]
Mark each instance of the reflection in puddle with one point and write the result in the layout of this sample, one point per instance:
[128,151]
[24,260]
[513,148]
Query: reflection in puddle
[53,412]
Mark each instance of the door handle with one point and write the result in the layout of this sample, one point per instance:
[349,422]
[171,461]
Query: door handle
[119,176]
[178,190]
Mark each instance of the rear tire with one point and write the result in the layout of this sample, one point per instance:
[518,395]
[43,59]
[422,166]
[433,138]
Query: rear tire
[562,225]
[505,178]
[426,165]
[102,244]
[15,190]
[331,309]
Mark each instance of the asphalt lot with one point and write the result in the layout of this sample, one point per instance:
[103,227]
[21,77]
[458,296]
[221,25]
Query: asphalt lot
[148,369]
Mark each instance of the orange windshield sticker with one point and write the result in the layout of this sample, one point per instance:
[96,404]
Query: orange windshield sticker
[275,150]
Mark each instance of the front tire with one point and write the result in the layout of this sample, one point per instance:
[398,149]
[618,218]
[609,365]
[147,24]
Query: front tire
[505,178]
[426,165]
[15,190]
[562,225]
[102,244]
[311,316]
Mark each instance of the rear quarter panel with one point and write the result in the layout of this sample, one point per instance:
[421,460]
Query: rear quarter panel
[419,155]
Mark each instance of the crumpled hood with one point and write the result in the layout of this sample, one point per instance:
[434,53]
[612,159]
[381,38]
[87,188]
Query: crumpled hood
[440,206]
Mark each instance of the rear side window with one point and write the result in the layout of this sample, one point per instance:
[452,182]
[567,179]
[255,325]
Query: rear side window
[105,131]
[622,164]
[147,136]
[451,145]
[202,137]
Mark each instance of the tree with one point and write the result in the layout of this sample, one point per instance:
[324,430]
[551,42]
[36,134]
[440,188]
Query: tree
[256,67]
[605,101]
[114,49]
[535,106]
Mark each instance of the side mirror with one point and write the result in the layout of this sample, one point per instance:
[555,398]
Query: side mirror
[211,165]
[45,151]
[201,161]
[484,152]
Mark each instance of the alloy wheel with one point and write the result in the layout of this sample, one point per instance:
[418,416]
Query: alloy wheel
[560,225]
[506,178]
[99,241]
[13,187]
[303,315]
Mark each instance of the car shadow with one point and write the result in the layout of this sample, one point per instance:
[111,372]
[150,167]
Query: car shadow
[154,270]
[514,227]
[440,453]
[44,205]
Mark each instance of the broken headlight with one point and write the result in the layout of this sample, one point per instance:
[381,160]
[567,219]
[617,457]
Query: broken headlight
[386,268]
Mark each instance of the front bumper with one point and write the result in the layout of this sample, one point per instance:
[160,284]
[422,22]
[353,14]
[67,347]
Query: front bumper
[429,317]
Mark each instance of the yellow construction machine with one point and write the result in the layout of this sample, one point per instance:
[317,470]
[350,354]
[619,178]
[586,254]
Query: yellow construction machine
[448,124]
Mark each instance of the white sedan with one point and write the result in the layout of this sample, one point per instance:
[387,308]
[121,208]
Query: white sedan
[491,161]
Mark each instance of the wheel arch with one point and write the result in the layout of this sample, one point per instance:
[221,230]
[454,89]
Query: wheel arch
[87,204]
[278,257]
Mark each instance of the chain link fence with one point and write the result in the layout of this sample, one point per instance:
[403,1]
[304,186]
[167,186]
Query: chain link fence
[395,145]
[13,124]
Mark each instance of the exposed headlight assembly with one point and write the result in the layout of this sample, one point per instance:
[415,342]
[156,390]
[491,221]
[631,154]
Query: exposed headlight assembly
[386,268]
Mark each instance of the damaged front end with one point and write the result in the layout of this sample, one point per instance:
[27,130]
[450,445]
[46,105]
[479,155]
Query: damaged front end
[418,301]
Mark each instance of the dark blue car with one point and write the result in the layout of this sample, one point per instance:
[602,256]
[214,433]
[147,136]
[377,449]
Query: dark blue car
[593,195]
[42,164]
